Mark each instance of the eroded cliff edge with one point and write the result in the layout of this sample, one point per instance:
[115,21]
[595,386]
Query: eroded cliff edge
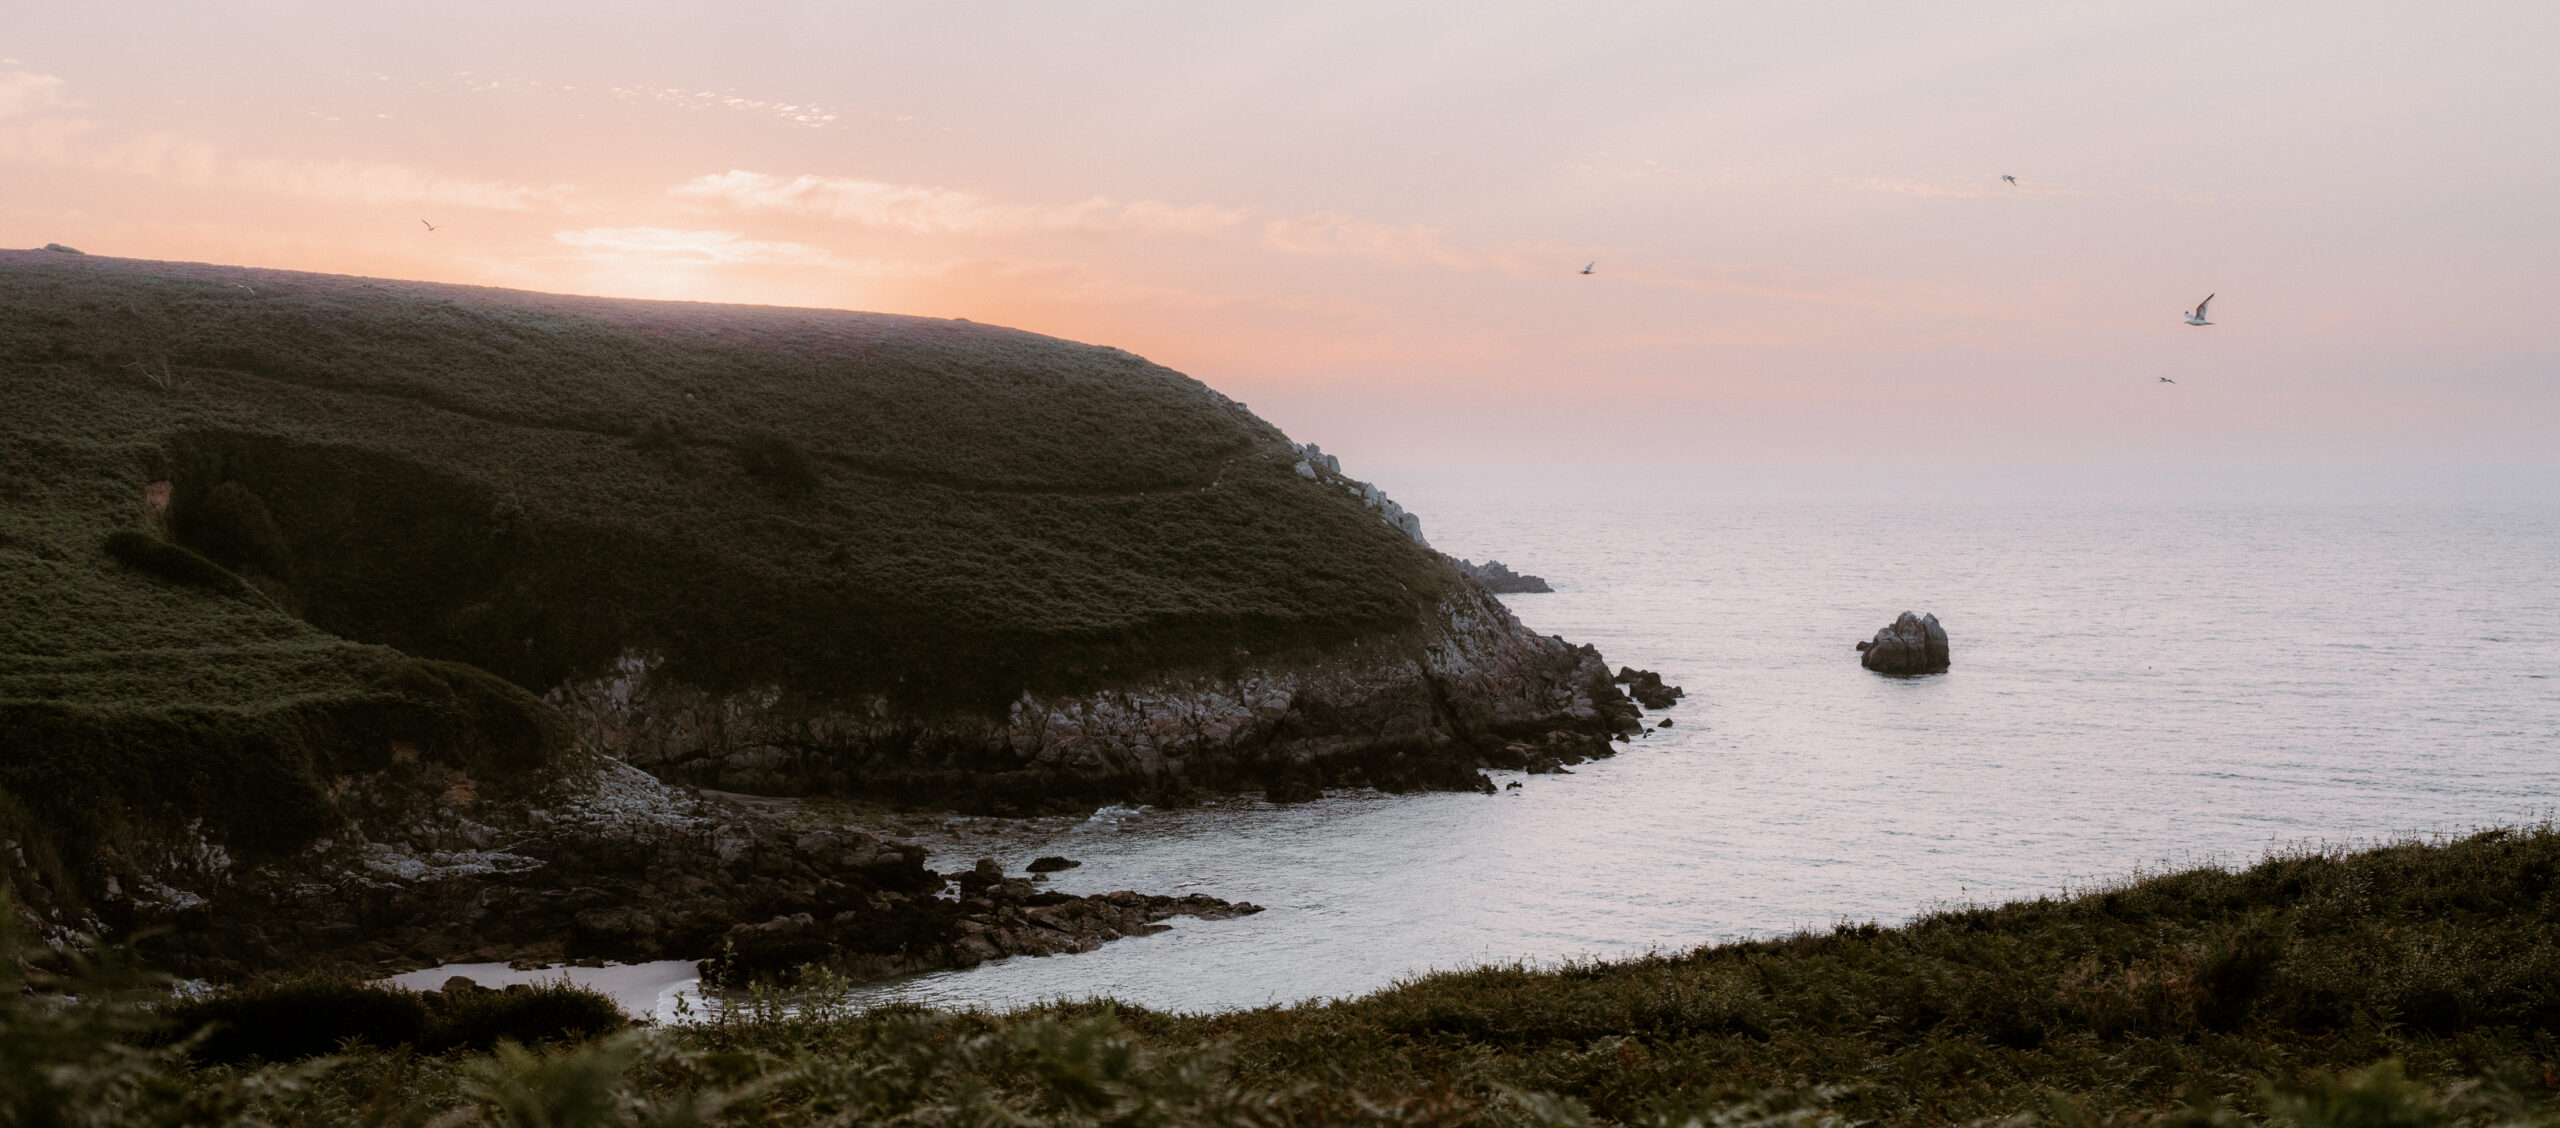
[1422,710]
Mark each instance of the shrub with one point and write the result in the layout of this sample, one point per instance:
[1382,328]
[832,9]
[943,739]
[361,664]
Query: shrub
[231,524]
[777,460]
[545,1012]
[291,1019]
[150,555]
[476,718]
[660,434]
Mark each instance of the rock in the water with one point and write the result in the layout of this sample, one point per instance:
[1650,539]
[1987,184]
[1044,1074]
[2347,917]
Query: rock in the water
[1292,790]
[1498,577]
[1051,864]
[1666,723]
[1647,688]
[1914,644]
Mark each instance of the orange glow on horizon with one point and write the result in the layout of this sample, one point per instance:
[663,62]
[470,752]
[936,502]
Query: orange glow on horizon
[1370,226]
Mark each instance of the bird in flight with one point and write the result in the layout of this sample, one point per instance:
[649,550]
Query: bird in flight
[2196,316]
[2013,181]
[430,226]
[1587,269]
[2166,380]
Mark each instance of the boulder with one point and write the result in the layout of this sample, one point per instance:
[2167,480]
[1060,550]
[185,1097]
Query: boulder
[1292,790]
[1914,644]
[1498,577]
[1051,863]
[1647,688]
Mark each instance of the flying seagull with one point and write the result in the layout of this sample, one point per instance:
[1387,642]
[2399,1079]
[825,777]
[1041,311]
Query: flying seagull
[1587,269]
[430,226]
[2166,380]
[2013,181]
[2196,316]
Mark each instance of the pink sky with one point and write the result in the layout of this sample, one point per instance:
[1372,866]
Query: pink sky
[1366,220]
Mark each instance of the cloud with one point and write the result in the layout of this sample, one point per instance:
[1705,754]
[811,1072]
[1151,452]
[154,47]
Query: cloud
[1332,233]
[25,92]
[797,113]
[926,210]
[1903,187]
[33,132]
[667,244]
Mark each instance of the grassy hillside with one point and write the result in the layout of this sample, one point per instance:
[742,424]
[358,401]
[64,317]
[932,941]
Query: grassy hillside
[836,503]
[2403,987]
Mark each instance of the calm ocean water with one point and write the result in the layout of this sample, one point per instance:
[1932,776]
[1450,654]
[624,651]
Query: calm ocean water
[2139,682]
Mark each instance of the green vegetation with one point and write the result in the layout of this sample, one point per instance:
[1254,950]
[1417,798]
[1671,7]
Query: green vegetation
[292,1019]
[943,511]
[2403,987]
[837,504]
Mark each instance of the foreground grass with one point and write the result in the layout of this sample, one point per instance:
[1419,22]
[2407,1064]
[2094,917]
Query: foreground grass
[2415,984]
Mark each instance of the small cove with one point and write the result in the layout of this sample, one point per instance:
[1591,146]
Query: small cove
[2139,683]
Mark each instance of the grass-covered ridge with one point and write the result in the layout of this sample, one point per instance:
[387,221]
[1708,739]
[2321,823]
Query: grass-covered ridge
[835,502]
[234,502]
[2403,987]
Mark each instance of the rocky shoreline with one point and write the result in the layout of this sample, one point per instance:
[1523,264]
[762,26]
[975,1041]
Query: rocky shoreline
[602,863]
[599,859]
[1424,710]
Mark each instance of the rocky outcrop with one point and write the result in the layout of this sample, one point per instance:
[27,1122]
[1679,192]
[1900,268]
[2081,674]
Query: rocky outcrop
[994,917]
[435,865]
[1914,644]
[1315,465]
[1647,688]
[1421,710]
[1500,579]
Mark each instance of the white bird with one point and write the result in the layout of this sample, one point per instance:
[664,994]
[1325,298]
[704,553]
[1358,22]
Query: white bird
[1587,269]
[2196,316]
[2013,181]
[430,226]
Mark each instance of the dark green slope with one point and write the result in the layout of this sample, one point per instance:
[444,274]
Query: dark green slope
[835,503]
[831,501]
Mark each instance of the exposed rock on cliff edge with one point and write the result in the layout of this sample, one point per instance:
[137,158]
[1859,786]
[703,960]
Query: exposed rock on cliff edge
[1499,578]
[1423,710]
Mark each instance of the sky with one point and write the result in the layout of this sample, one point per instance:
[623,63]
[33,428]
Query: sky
[1368,221]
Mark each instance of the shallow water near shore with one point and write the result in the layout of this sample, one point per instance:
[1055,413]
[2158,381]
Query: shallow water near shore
[2141,681]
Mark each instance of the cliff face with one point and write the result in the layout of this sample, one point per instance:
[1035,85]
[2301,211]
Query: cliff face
[1425,709]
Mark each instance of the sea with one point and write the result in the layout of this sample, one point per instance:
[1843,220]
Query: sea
[2151,671]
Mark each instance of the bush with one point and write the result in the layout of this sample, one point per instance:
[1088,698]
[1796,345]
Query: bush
[150,555]
[545,1012]
[292,1019]
[777,460]
[232,525]
[477,719]
[659,434]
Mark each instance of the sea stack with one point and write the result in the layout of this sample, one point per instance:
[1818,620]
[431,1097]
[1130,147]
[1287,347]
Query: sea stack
[1914,644]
